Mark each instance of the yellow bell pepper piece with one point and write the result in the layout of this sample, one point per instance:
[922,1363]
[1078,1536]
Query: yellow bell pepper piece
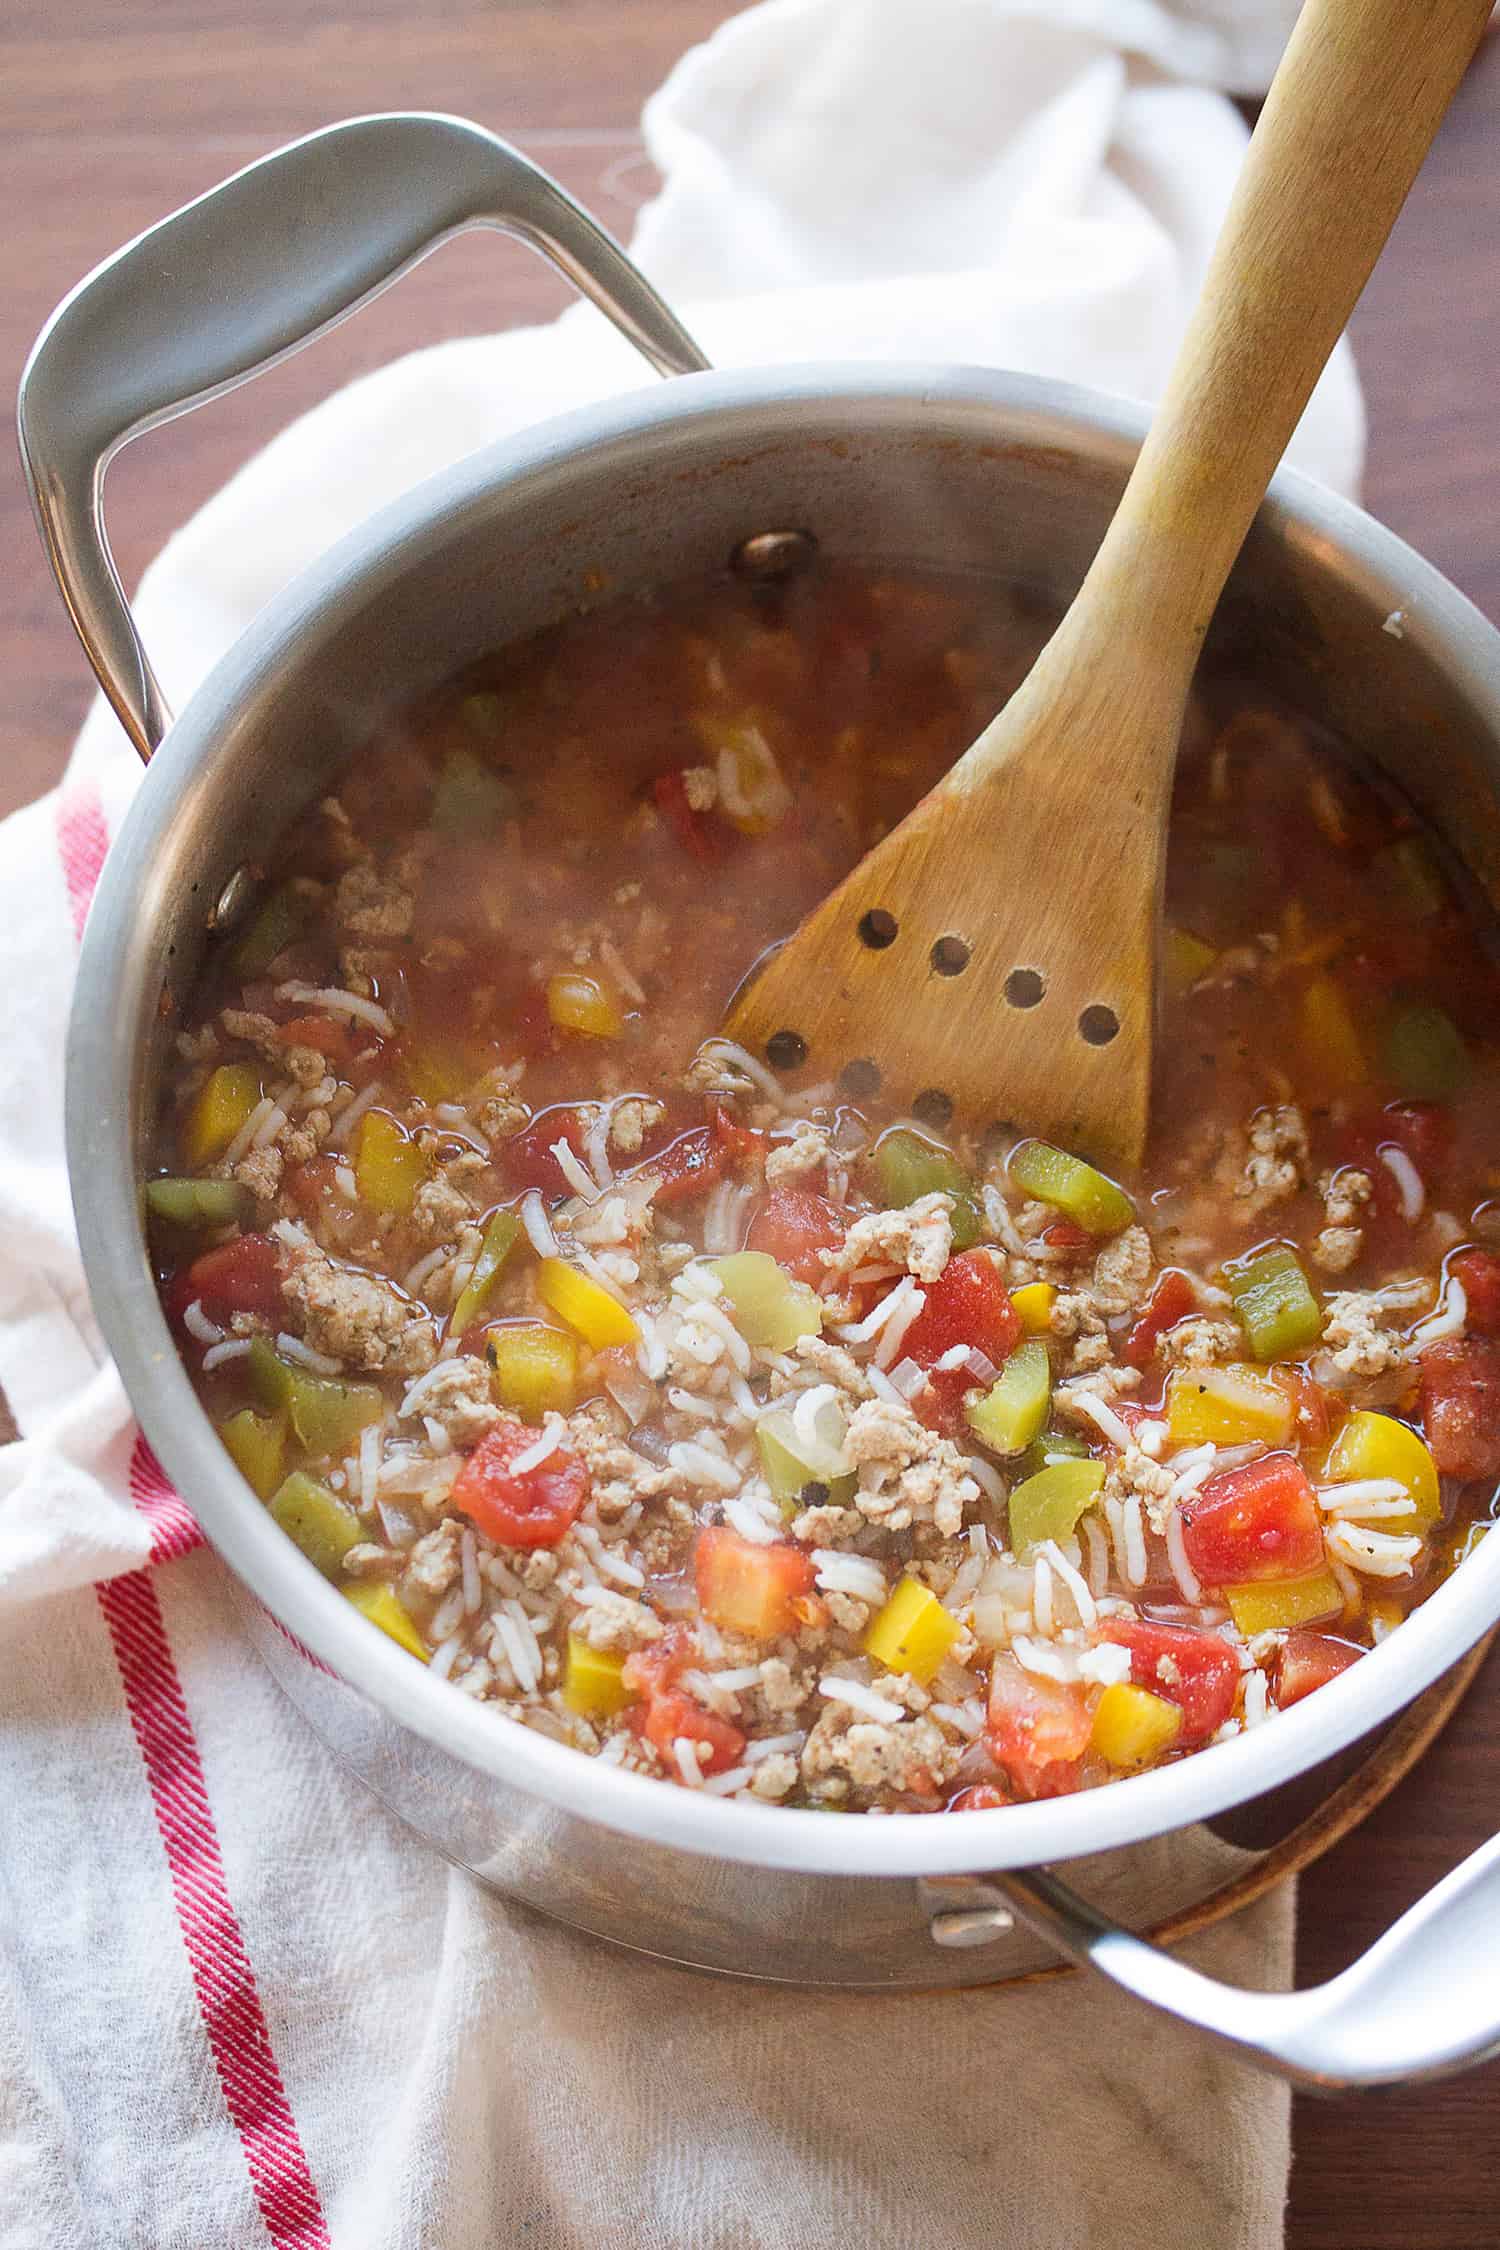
[1034,1302]
[1377,1445]
[913,1633]
[1227,1406]
[1132,1727]
[756,797]
[1185,959]
[593,1683]
[1272,1604]
[580,1003]
[255,1443]
[220,1108]
[600,1319]
[376,1601]
[389,1166]
[1329,1037]
[533,1369]
[437,1073]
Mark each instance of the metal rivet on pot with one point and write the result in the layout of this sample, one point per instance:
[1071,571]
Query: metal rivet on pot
[769,556]
[232,900]
[977,1925]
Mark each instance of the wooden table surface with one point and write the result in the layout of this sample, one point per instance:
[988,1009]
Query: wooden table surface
[115,113]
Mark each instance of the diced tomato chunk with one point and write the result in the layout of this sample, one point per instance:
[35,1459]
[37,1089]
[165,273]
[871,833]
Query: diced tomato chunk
[742,1144]
[532,1508]
[1306,1661]
[1461,1405]
[672,1716]
[1479,1273]
[243,1276]
[1260,1521]
[980,1796]
[1196,1671]
[968,1304]
[330,1037]
[526,1160]
[744,1587]
[794,1226]
[668,1714]
[1173,1299]
[1319,1411]
[1066,1234]
[700,834]
[1424,1130]
[688,1166]
[1037,1729]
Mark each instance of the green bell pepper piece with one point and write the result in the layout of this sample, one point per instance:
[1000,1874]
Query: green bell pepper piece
[1083,1195]
[197,1204]
[316,1520]
[326,1412]
[1048,1505]
[770,1309]
[791,1462]
[905,1167]
[1276,1307]
[1425,1054]
[500,1238]
[470,797]
[1050,1447]
[255,1443]
[281,918]
[1014,1408]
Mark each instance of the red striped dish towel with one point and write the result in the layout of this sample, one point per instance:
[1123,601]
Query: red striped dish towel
[238,2003]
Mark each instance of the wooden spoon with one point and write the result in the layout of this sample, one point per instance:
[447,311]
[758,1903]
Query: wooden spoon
[996,952]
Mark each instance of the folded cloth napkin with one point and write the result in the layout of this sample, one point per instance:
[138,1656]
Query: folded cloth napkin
[238,2000]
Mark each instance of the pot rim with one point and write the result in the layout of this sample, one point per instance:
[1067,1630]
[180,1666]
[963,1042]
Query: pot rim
[750,406]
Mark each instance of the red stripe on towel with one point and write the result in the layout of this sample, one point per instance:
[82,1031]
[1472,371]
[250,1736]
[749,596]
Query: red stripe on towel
[222,1975]
[82,841]
[173,1529]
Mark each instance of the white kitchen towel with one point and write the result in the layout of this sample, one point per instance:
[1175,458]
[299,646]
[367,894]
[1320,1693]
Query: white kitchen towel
[238,2002]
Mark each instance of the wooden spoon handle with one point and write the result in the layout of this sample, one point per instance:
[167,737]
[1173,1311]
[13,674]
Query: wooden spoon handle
[1356,103]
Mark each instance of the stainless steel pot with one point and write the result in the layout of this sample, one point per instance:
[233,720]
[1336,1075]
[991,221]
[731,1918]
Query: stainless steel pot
[926,464]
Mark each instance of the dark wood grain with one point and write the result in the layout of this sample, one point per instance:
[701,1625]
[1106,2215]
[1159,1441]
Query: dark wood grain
[115,111]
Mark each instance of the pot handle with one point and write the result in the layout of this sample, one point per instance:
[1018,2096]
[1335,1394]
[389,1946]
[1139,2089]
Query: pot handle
[245,276]
[1424,2001]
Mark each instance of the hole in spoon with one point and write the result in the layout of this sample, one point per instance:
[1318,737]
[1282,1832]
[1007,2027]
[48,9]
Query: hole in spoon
[860,1080]
[1098,1025]
[950,956]
[1025,987]
[877,929]
[786,1050]
[934,1108]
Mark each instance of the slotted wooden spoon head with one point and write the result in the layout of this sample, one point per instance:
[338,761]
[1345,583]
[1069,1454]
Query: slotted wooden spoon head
[992,958]
[995,953]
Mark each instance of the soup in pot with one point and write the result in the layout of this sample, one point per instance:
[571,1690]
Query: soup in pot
[727,1427]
